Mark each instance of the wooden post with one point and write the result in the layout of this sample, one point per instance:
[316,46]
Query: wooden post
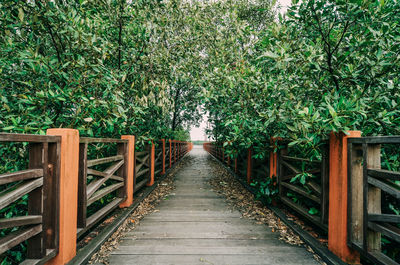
[373,196]
[337,227]
[82,181]
[130,166]
[236,165]
[38,155]
[273,164]
[174,151]
[249,160]
[163,157]
[170,153]
[68,194]
[152,164]
[273,158]
[355,173]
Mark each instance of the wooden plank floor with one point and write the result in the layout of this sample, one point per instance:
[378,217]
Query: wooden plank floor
[196,226]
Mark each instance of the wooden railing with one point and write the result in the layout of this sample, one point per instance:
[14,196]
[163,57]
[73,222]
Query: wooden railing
[304,183]
[371,188]
[167,154]
[350,195]
[142,174]
[158,161]
[38,226]
[100,178]
[77,179]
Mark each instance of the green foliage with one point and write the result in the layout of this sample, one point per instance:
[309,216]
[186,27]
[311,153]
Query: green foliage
[90,65]
[325,66]
[266,190]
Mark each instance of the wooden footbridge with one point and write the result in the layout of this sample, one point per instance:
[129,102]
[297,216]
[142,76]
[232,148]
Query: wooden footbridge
[196,226]
[65,186]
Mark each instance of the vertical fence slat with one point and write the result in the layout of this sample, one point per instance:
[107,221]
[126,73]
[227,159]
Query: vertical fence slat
[325,185]
[37,159]
[52,199]
[374,196]
[163,156]
[82,182]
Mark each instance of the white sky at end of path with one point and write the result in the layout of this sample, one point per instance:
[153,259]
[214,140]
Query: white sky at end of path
[284,5]
[198,133]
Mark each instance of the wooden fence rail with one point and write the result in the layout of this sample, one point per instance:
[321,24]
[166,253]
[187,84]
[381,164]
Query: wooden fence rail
[307,179]
[99,178]
[143,166]
[39,182]
[369,189]
[108,172]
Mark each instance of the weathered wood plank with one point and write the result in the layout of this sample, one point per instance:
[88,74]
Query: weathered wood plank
[384,174]
[298,159]
[102,174]
[95,185]
[20,221]
[15,238]
[389,218]
[301,192]
[395,192]
[90,140]
[19,191]
[21,175]
[104,160]
[103,192]
[103,212]
[31,138]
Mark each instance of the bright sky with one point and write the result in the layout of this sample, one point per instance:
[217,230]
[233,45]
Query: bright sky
[284,4]
[197,133]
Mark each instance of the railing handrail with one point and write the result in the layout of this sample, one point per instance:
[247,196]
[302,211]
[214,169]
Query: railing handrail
[31,138]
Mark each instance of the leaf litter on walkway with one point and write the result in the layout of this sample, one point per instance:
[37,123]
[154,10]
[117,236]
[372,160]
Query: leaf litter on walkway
[147,206]
[241,199]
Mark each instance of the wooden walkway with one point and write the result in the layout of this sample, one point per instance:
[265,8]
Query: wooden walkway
[196,226]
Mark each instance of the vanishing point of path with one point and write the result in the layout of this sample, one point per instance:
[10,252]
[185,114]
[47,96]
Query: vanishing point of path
[195,225]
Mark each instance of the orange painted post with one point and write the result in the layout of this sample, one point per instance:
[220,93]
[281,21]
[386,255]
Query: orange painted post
[68,194]
[273,159]
[163,156]
[152,164]
[130,168]
[249,165]
[170,153]
[337,233]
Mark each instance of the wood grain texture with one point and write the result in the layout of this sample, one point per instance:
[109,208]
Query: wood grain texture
[195,225]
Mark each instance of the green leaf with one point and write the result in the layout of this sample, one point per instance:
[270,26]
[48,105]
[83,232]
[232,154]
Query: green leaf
[8,128]
[313,211]
[21,14]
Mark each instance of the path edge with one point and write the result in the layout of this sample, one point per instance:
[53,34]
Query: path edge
[84,255]
[326,255]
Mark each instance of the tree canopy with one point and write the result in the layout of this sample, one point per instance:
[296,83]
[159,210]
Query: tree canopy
[152,68]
